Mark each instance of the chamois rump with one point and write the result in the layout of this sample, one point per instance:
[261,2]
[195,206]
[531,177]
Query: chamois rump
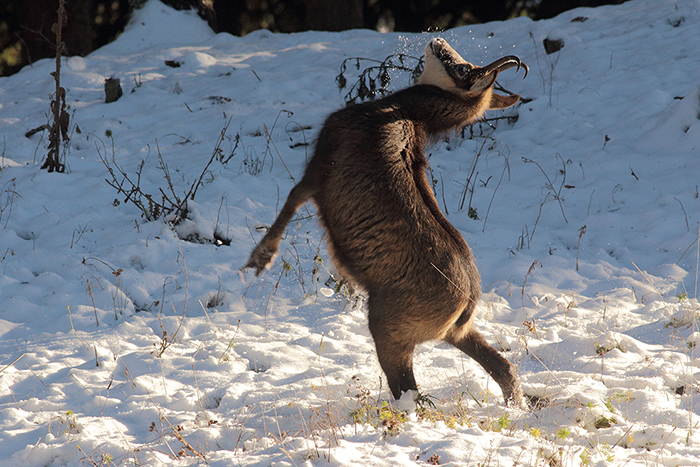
[386,232]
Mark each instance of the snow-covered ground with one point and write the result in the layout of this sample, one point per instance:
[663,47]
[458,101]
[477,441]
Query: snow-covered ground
[121,343]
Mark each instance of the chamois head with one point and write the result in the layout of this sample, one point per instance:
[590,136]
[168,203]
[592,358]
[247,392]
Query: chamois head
[445,68]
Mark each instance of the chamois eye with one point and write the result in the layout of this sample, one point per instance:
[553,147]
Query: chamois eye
[462,69]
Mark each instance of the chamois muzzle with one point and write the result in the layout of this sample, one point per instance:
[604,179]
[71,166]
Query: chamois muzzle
[504,63]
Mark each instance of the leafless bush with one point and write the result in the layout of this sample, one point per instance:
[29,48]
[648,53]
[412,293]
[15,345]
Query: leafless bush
[374,80]
[168,203]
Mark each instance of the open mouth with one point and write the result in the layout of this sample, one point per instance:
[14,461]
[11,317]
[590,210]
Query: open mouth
[444,52]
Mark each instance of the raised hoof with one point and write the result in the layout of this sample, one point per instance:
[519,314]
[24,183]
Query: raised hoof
[260,259]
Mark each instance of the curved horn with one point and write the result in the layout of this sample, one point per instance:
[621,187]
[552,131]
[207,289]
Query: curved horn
[504,63]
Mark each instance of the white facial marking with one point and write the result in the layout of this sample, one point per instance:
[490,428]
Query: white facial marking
[434,72]
[434,69]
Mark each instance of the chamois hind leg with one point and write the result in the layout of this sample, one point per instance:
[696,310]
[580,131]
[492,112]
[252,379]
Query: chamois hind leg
[394,351]
[264,254]
[500,369]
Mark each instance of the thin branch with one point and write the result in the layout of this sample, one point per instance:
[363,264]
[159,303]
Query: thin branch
[506,166]
[217,151]
[687,226]
[10,364]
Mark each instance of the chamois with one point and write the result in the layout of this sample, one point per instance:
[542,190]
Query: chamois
[385,229]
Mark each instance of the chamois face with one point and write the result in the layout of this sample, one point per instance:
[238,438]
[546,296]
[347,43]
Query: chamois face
[445,68]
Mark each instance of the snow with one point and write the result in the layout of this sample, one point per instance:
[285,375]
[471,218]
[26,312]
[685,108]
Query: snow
[122,343]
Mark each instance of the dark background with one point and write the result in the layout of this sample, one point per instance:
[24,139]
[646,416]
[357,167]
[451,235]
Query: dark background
[26,36]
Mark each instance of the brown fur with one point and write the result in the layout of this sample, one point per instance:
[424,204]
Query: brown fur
[385,228]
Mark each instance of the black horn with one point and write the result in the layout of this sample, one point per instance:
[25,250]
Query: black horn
[504,63]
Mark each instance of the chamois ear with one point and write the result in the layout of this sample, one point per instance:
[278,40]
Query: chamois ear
[501,102]
[482,83]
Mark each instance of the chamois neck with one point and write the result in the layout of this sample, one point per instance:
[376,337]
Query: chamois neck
[440,111]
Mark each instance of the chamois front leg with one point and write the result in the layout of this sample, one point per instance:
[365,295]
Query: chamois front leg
[265,253]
